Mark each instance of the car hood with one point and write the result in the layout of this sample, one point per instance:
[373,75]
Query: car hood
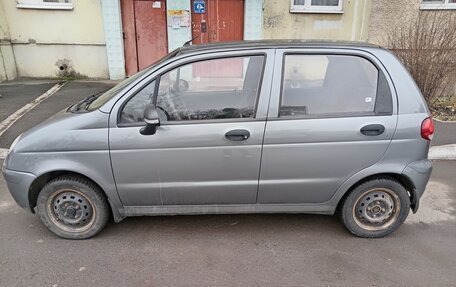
[66,131]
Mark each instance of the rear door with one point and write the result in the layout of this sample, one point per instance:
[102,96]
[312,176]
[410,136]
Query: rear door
[331,115]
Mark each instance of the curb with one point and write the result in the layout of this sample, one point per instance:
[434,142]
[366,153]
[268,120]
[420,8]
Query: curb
[3,152]
[443,122]
[443,152]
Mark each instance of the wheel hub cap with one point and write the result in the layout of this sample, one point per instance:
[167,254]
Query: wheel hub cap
[72,209]
[376,209]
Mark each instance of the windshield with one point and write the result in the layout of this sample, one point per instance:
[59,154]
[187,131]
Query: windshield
[104,98]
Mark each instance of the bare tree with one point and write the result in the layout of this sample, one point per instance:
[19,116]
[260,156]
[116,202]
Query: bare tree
[427,47]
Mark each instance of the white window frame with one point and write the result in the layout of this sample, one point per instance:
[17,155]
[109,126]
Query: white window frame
[444,5]
[40,4]
[309,8]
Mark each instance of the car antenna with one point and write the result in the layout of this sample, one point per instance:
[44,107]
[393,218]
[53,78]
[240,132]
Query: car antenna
[189,41]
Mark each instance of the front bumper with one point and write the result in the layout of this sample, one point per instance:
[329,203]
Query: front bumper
[19,184]
[419,173]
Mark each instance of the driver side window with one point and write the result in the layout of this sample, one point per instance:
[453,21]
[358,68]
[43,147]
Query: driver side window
[211,89]
[133,111]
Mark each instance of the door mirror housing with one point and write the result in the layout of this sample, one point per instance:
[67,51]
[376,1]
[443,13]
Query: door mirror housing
[151,119]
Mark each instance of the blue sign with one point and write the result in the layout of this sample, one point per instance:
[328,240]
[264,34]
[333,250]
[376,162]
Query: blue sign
[199,6]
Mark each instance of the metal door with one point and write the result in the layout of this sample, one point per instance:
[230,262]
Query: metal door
[223,21]
[145,33]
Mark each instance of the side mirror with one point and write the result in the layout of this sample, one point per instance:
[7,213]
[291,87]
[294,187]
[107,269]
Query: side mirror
[151,119]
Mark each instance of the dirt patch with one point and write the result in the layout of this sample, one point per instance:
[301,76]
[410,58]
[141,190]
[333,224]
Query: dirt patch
[445,109]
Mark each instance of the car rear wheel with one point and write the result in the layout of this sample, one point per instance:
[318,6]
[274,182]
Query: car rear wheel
[73,207]
[375,208]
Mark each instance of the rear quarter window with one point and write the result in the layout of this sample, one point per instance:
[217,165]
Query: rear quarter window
[332,86]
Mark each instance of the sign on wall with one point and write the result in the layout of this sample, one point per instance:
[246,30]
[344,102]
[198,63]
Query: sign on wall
[178,18]
[199,6]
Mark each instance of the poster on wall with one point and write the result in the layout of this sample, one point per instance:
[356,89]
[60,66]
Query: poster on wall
[178,18]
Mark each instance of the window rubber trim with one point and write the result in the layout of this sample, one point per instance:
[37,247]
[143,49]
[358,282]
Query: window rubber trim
[327,116]
[187,122]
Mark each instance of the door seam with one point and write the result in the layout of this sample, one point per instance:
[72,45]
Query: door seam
[265,125]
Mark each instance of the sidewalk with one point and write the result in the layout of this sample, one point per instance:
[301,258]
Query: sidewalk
[443,146]
[445,133]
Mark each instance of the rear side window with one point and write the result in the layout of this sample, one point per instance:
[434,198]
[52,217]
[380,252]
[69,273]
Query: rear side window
[332,86]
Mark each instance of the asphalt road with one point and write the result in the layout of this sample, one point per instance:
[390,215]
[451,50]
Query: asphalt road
[236,250]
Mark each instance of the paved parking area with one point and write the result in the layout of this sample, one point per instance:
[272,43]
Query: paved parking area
[225,250]
[17,94]
[70,93]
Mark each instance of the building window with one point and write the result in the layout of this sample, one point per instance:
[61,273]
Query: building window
[45,4]
[316,6]
[438,4]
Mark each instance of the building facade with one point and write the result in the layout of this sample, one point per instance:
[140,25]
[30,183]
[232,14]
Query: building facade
[116,38]
[47,39]
[387,16]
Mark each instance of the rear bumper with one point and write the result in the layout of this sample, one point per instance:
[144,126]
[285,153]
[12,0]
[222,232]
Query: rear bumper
[419,173]
[18,184]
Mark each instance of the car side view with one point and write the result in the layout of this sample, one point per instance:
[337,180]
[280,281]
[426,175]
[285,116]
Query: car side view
[248,127]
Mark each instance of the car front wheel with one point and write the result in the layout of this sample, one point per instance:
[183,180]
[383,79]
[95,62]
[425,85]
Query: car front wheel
[375,208]
[73,207]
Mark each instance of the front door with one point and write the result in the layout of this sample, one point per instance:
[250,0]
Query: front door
[207,149]
[145,33]
[331,115]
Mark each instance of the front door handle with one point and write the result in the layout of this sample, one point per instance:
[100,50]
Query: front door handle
[237,135]
[373,130]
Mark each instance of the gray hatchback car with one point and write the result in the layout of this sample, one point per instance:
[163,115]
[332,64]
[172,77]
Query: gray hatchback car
[248,127]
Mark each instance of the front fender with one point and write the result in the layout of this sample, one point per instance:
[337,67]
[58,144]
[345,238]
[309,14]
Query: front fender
[94,165]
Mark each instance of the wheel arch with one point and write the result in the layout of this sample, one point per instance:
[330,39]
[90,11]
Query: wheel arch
[38,184]
[401,178]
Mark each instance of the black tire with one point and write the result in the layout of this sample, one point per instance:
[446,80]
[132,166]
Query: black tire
[73,207]
[375,208]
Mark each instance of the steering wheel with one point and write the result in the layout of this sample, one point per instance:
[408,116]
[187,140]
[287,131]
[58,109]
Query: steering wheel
[181,85]
[162,110]
[173,98]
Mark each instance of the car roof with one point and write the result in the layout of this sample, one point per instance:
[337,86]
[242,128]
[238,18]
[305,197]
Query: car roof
[261,44]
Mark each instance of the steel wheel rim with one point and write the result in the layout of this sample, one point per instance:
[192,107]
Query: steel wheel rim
[71,211]
[376,209]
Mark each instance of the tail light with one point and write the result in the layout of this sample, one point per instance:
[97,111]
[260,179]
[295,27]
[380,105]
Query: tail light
[427,129]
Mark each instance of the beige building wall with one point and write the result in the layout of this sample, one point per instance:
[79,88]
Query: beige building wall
[352,24]
[7,63]
[53,43]
[388,15]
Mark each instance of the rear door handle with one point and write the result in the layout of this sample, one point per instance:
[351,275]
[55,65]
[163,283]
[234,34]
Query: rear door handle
[373,130]
[237,135]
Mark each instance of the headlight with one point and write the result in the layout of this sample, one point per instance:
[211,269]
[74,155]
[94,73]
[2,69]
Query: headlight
[13,144]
